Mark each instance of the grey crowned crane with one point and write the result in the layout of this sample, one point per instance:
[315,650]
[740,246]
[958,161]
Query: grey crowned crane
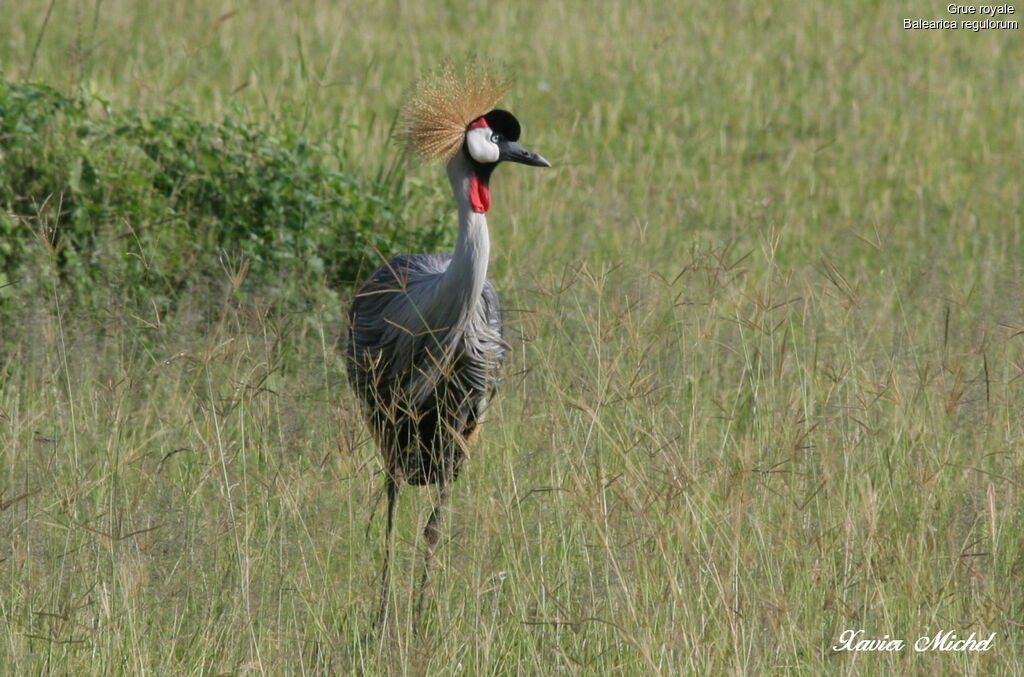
[425,335]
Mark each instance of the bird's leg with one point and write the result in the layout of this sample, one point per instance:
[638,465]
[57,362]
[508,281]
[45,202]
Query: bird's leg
[391,487]
[432,534]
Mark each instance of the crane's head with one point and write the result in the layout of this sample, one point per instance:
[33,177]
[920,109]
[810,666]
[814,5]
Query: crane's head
[451,116]
[491,139]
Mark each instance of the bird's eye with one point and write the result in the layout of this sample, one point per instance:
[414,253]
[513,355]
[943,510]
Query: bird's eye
[495,138]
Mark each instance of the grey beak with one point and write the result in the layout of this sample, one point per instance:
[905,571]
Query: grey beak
[513,152]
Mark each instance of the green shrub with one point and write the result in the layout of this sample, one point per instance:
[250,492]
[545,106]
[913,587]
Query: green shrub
[147,205]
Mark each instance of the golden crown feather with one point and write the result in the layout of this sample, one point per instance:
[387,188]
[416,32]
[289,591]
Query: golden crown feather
[433,121]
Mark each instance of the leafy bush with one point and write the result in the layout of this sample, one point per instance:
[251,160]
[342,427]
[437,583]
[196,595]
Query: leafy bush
[147,205]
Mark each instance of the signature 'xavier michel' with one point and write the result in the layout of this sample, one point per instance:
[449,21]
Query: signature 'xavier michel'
[425,339]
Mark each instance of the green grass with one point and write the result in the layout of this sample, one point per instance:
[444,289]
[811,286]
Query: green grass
[766,383]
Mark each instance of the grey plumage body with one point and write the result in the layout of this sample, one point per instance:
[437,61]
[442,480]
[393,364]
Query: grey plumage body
[424,363]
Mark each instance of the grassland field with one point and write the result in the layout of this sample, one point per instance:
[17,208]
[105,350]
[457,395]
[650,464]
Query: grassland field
[766,380]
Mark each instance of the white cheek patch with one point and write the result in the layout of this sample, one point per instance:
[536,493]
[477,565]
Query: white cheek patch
[480,146]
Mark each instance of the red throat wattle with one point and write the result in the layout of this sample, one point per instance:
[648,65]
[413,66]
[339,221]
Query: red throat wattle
[479,195]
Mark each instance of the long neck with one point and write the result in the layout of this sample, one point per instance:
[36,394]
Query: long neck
[462,283]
